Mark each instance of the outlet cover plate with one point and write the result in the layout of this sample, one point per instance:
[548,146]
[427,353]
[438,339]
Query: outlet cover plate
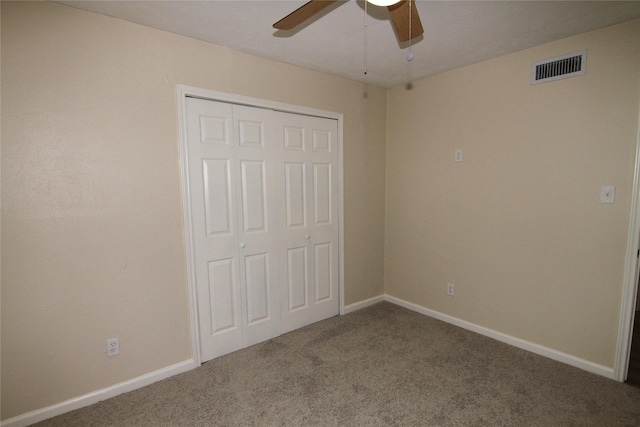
[113,347]
[608,194]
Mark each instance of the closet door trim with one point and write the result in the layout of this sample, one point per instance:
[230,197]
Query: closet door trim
[184,92]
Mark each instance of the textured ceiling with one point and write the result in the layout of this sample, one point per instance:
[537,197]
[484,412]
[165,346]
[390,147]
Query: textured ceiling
[457,33]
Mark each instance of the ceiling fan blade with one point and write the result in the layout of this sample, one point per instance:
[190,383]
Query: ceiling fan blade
[301,14]
[400,13]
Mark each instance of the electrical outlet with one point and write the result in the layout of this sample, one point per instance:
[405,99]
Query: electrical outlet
[113,347]
[450,289]
[458,155]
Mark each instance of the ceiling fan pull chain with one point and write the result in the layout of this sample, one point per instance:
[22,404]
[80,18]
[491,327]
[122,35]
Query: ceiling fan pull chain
[409,25]
[365,37]
[410,56]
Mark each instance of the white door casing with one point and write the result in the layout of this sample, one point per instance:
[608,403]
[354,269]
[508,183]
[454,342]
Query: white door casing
[234,186]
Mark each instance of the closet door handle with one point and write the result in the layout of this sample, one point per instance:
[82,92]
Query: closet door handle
[306,236]
[242,245]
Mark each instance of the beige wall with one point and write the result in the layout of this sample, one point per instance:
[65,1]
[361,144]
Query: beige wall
[92,244]
[92,241]
[517,226]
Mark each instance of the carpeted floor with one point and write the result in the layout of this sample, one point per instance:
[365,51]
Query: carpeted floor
[383,365]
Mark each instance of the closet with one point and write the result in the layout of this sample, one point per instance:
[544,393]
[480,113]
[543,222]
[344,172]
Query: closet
[263,198]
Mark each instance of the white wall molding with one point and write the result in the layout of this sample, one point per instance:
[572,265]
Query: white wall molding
[630,284]
[508,339]
[362,304]
[98,395]
[187,365]
[182,93]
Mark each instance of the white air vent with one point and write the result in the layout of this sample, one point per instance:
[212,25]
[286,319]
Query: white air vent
[560,67]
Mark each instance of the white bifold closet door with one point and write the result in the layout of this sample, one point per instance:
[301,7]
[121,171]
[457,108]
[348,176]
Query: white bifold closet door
[308,200]
[263,196]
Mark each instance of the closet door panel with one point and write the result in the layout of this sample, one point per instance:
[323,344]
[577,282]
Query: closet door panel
[254,197]
[258,287]
[323,278]
[255,155]
[324,228]
[308,196]
[217,197]
[296,268]
[295,195]
[210,156]
[322,199]
[222,294]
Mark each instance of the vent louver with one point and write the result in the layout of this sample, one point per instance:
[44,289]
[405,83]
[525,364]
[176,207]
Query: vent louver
[561,67]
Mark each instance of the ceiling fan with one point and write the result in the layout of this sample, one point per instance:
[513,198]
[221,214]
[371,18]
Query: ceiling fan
[403,13]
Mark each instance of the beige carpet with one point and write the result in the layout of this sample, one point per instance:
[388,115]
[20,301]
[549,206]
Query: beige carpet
[382,365]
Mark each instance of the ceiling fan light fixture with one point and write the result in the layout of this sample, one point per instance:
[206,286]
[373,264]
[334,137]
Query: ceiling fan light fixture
[383,2]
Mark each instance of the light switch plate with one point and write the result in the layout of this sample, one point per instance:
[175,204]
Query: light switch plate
[607,194]
[458,155]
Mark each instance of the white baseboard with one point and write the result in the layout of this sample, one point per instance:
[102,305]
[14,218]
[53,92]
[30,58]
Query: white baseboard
[152,377]
[98,395]
[362,304]
[508,339]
